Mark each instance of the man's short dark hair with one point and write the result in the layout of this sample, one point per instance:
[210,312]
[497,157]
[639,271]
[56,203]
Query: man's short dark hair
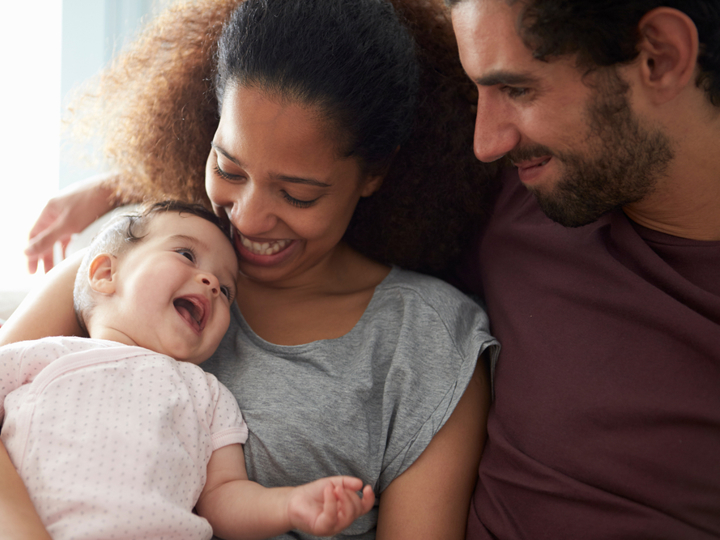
[604,33]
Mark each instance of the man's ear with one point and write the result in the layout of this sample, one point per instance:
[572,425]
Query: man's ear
[101,273]
[668,48]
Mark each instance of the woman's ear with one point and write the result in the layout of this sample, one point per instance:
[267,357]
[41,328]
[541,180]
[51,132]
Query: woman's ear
[372,184]
[668,48]
[374,181]
[101,273]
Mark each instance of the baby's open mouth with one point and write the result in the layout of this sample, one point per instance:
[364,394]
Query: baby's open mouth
[192,310]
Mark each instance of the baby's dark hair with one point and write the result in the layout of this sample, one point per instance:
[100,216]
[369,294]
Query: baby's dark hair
[121,234]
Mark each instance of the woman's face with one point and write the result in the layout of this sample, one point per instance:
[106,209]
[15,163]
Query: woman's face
[274,169]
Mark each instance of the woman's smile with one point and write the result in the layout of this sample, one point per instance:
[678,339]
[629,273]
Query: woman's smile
[284,183]
[262,247]
[264,252]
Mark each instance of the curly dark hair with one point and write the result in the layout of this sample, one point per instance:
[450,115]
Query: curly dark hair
[604,33]
[156,111]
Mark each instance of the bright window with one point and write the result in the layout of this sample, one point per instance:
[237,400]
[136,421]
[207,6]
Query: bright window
[30,36]
[47,47]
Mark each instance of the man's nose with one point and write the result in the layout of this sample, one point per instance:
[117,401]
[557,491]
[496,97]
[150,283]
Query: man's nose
[495,132]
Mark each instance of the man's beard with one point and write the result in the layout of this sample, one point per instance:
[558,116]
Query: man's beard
[622,164]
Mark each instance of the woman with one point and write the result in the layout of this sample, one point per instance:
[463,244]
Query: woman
[339,362]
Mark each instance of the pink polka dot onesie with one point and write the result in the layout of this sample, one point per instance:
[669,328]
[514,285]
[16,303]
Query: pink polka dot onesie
[113,441]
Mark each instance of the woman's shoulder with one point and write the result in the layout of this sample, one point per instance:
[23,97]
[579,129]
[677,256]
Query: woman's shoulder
[428,308]
[428,289]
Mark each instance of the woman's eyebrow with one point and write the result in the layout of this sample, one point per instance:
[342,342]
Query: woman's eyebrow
[299,180]
[224,153]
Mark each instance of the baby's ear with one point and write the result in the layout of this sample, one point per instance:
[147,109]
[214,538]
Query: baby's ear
[101,273]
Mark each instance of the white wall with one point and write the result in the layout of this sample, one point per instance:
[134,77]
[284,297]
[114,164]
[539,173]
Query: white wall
[47,47]
[30,113]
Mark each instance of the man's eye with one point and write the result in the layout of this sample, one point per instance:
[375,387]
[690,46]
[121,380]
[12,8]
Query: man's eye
[187,253]
[515,92]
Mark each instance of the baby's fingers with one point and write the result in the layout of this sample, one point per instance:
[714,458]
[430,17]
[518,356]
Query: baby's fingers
[351,505]
[368,500]
[349,482]
[327,517]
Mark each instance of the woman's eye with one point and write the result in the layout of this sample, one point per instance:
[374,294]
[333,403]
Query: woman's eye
[187,253]
[225,175]
[297,202]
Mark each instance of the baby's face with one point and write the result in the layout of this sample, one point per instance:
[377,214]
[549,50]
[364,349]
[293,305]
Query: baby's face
[175,288]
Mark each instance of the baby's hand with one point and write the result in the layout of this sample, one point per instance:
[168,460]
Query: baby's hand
[329,505]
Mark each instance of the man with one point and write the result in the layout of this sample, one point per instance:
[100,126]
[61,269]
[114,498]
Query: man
[600,266]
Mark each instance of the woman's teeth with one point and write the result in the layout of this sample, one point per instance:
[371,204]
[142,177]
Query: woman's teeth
[264,248]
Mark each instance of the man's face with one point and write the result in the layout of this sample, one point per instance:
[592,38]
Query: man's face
[574,138]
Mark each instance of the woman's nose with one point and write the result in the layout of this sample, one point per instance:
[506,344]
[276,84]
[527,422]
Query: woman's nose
[252,212]
[495,132]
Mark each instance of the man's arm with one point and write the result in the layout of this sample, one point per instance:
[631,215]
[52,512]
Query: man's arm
[240,509]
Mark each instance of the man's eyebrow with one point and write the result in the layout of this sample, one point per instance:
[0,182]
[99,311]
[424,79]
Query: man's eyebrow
[505,77]
[284,178]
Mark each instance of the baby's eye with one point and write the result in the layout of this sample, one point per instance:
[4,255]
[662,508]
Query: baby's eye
[226,291]
[187,253]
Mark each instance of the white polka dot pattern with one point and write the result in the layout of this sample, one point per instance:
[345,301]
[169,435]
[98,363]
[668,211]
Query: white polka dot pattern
[113,441]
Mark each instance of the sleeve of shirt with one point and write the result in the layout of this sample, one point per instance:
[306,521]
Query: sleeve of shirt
[19,364]
[10,358]
[227,425]
[442,337]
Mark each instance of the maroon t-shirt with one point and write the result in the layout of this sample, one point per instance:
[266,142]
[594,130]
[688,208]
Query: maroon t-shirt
[606,419]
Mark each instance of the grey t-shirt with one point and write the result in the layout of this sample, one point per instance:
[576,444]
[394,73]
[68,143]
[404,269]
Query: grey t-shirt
[365,404]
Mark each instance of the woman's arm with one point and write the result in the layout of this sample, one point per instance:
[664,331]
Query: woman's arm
[48,310]
[431,498]
[18,519]
[68,213]
[238,508]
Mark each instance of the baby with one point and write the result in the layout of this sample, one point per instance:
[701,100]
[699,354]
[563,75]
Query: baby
[122,435]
